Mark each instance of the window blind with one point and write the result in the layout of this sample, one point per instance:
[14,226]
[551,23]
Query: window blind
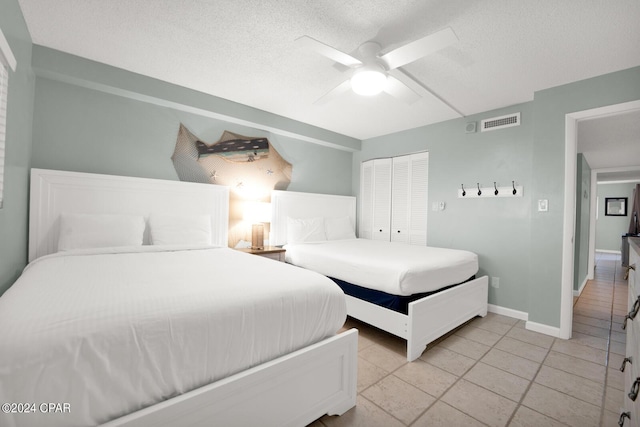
[4,81]
[7,61]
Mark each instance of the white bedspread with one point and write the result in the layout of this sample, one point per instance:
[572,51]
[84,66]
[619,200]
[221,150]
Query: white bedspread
[394,268]
[112,333]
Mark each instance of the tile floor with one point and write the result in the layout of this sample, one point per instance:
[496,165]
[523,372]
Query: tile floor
[492,371]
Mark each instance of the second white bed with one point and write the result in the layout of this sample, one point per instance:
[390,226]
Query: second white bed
[394,268]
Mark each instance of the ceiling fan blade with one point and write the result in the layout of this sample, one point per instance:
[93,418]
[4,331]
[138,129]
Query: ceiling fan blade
[328,51]
[419,88]
[397,89]
[419,48]
[334,93]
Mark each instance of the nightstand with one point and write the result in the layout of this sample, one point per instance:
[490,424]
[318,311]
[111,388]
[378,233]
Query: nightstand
[272,252]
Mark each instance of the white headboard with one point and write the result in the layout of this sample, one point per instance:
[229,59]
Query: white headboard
[54,192]
[306,205]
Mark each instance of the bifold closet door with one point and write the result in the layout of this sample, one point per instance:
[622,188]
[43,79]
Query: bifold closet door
[375,203]
[410,199]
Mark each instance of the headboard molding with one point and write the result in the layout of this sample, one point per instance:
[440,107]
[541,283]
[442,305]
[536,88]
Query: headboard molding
[306,205]
[54,192]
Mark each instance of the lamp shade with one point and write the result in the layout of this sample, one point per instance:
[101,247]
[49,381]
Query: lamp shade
[255,212]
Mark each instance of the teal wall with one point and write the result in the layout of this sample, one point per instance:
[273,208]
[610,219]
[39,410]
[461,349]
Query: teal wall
[514,241]
[583,206]
[83,126]
[550,109]
[609,229]
[498,230]
[14,214]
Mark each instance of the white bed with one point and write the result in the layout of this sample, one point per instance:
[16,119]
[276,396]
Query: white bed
[427,318]
[143,349]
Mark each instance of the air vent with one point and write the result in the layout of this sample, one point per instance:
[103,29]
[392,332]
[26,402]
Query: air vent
[500,122]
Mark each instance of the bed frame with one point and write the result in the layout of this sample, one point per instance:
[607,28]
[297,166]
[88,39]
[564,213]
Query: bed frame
[293,390]
[428,318]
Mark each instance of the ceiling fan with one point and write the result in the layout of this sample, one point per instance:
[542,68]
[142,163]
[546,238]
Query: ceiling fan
[374,72]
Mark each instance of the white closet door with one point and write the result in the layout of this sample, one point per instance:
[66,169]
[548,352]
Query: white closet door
[419,198]
[382,199]
[400,199]
[365,223]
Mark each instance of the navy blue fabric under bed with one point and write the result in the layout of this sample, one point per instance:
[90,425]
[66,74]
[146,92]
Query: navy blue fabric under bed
[399,303]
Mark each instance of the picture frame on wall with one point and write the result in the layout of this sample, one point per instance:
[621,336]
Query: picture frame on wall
[615,206]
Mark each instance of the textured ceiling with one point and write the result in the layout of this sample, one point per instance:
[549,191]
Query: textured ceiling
[244,50]
[612,142]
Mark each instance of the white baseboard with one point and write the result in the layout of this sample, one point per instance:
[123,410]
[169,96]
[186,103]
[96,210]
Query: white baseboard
[606,251]
[581,288]
[543,329]
[516,314]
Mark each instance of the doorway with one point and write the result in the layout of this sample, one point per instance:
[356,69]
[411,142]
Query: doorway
[571,151]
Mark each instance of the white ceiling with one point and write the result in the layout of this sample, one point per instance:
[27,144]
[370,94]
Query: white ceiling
[244,51]
[612,142]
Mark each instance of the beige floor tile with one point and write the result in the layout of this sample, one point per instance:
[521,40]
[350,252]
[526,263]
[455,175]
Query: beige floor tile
[522,349]
[580,351]
[520,324]
[617,347]
[464,346]
[583,368]
[615,378]
[365,414]
[426,377]
[531,337]
[398,398]
[590,330]
[591,313]
[382,357]
[368,374]
[614,399]
[525,417]
[573,385]
[615,360]
[479,403]
[448,360]
[443,415]
[499,381]
[500,318]
[588,340]
[604,324]
[511,363]
[492,325]
[620,336]
[610,419]
[562,407]
[479,335]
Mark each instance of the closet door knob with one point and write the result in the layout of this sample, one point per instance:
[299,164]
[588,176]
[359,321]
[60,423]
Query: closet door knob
[624,363]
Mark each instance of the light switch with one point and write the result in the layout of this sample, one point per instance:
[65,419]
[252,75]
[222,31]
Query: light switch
[543,205]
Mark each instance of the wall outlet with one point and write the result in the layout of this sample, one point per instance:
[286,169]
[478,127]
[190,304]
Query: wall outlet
[495,282]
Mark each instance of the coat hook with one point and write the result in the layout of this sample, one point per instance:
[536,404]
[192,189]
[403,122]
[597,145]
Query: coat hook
[514,188]
[464,193]
[494,186]
[479,191]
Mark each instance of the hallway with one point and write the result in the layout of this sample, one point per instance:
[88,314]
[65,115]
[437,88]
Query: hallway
[597,324]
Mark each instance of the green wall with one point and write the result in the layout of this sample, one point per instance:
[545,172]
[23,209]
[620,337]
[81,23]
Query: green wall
[583,205]
[609,229]
[14,214]
[497,229]
[81,129]
[515,242]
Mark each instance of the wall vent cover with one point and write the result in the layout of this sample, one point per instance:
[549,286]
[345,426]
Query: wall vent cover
[501,122]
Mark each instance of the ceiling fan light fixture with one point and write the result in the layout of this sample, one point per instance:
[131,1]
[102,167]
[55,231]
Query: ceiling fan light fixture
[368,81]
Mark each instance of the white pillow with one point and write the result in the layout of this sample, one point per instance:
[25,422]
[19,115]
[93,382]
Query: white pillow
[339,228]
[305,230]
[180,229]
[81,231]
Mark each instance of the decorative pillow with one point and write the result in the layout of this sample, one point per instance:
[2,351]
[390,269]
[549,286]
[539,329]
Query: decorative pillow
[305,230]
[180,229]
[81,231]
[339,228]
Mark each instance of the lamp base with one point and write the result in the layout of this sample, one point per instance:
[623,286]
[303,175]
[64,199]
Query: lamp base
[257,236]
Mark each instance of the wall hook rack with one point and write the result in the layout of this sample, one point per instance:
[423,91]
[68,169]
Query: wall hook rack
[512,190]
